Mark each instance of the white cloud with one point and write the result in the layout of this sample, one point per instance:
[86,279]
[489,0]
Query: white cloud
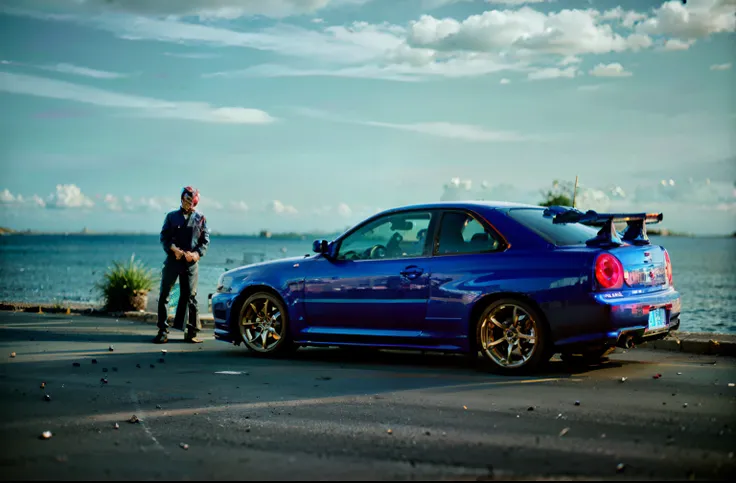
[567,32]
[83,71]
[515,2]
[193,111]
[279,208]
[696,19]
[191,55]
[431,4]
[464,132]
[675,45]
[238,206]
[570,59]
[112,203]
[552,73]
[204,9]
[720,66]
[590,87]
[611,70]
[344,210]
[68,196]
[505,81]
[460,65]
[6,197]
[36,201]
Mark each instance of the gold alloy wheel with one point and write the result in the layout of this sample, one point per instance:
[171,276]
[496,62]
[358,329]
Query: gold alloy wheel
[509,336]
[262,324]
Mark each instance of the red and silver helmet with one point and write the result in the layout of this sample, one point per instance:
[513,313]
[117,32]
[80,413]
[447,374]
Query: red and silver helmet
[193,192]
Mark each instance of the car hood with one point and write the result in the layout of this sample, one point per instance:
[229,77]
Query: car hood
[261,266]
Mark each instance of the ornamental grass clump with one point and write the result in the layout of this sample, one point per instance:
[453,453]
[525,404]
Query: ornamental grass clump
[125,287]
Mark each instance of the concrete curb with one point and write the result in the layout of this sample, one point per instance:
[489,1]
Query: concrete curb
[703,343]
[90,310]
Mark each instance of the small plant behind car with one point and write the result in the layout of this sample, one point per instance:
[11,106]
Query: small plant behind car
[125,287]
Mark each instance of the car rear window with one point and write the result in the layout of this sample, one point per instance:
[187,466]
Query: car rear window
[560,234]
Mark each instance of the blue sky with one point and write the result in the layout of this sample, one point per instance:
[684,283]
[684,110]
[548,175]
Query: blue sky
[312,114]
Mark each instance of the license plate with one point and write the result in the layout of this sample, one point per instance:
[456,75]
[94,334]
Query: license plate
[657,319]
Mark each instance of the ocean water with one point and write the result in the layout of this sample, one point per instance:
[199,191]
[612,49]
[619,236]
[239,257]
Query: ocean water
[58,268]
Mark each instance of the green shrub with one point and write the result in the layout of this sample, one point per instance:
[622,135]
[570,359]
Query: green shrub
[125,287]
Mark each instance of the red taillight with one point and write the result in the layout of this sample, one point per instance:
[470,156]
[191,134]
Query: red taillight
[668,266]
[609,272]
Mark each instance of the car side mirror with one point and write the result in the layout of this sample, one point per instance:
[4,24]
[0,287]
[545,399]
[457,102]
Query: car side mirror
[320,246]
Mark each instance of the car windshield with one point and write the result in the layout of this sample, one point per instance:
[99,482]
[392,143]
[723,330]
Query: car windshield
[557,234]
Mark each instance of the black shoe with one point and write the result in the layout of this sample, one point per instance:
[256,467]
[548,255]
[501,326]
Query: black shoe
[161,338]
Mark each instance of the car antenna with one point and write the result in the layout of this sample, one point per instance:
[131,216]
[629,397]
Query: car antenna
[575,191]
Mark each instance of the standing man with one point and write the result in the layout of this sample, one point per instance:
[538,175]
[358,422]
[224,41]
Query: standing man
[185,239]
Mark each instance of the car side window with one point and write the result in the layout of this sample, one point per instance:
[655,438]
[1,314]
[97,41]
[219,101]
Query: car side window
[398,235]
[462,233]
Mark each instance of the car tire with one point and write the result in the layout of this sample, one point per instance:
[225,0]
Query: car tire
[263,312]
[527,318]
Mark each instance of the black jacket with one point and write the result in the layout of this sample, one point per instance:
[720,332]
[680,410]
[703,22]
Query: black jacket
[190,236]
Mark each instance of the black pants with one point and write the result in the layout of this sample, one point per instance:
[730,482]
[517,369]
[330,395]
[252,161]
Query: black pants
[188,274]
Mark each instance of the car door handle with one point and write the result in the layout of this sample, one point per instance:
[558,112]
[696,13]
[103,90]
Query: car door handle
[412,272]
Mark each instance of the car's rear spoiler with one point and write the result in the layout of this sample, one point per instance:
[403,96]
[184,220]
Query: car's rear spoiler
[635,232]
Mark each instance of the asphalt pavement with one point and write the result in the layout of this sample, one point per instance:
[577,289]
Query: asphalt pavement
[214,411]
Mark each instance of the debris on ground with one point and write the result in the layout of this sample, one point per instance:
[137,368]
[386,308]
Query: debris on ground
[76,364]
[46,435]
[94,361]
[390,432]
[43,385]
[530,408]
[183,446]
[324,378]
[577,403]
[47,398]
[731,384]
[684,405]
[164,351]
[117,426]
[656,376]
[158,406]
[620,468]
[111,348]
[679,373]
[103,380]
[134,419]
[564,432]
[428,434]
[465,407]
[12,354]
[623,379]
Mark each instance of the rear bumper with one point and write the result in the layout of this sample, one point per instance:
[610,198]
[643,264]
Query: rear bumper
[222,305]
[625,320]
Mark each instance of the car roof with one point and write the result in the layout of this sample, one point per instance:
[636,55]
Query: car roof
[470,204]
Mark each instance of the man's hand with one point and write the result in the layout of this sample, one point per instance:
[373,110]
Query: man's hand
[192,256]
[178,253]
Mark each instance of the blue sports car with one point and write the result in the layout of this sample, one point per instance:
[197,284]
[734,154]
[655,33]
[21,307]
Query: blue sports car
[517,283]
